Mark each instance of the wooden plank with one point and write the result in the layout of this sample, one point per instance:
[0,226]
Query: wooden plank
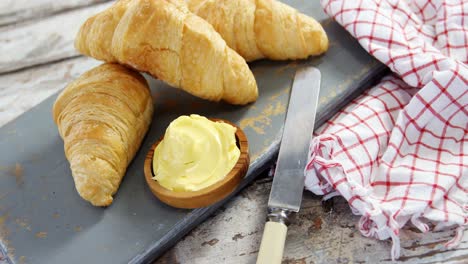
[15,11]
[44,41]
[20,91]
[320,233]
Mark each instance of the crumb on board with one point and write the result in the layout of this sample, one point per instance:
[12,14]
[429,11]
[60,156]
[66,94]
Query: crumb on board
[23,223]
[22,260]
[41,234]
[260,122]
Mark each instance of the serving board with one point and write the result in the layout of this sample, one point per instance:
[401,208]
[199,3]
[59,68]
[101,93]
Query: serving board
[42,218]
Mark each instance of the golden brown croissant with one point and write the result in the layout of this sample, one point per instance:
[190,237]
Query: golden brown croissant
[163,38]
[259,29]
[102,117]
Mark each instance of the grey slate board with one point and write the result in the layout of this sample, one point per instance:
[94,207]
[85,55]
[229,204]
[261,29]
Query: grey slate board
[42,218]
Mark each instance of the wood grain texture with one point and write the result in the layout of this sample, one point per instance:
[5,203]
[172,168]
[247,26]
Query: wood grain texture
[15,11]
[206,196]
[44,41]
[320,233]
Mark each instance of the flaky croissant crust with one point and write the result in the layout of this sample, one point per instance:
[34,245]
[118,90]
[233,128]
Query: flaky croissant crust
[163,38]
[259,29]
[102,117]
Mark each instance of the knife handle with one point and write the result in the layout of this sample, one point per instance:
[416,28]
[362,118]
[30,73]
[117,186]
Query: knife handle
[272,246]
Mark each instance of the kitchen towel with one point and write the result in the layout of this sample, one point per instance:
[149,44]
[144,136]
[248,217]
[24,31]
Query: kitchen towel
[399,152]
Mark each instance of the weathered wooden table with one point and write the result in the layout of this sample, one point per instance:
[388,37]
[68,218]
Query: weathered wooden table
[38,59]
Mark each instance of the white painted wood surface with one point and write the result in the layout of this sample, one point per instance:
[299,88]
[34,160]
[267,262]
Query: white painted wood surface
[42,41]
[22,90]
[320,233]
[15,11]
[30,51]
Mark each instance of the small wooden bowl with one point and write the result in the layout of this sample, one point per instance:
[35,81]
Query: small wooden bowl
[210,194]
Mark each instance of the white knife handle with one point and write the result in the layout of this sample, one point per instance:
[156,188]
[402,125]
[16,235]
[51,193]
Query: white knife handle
[272,246]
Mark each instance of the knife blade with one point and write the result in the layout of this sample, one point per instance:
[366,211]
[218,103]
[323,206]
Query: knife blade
[288,182]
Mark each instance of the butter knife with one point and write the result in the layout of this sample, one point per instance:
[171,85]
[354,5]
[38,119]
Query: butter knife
[288,182]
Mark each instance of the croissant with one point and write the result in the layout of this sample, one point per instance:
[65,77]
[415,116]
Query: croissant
[163,38]
[259,29]
[102,117]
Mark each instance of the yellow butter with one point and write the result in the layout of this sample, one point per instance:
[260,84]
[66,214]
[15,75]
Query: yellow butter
[195,153]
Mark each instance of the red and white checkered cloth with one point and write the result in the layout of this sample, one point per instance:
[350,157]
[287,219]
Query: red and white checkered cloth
[399,152]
